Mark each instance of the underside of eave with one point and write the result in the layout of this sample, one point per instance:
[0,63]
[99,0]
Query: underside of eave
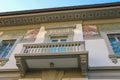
[92,6]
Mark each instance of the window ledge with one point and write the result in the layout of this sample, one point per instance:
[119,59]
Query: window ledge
[3,61]
[114,57]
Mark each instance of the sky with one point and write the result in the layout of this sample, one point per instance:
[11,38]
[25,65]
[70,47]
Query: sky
[19,5]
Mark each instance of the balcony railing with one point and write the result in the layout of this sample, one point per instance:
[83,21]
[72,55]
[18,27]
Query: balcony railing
[40,56]
[54,47]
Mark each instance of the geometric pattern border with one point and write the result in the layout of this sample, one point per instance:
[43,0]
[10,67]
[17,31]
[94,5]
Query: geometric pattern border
[61,16]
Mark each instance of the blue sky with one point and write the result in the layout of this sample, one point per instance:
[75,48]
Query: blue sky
[18,5]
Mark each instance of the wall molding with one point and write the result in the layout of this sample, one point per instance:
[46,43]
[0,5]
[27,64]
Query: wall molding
[107,13]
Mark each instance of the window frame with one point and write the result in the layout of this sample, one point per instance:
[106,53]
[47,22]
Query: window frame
[59,31]
[63,32]
[8,42]
[48,37]
[113,56]
[3,61]
[59,38]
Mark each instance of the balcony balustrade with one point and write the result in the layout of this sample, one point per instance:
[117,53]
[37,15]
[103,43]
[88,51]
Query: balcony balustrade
[61,55]
[54,47]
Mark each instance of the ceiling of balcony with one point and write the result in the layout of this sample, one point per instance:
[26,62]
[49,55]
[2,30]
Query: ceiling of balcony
[57,63]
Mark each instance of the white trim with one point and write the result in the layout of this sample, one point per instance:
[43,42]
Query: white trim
[112,55]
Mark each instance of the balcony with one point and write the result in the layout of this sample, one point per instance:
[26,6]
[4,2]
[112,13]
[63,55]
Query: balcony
[65,55]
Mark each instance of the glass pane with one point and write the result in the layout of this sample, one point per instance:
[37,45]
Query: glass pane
[53,49]
[63,49]
[115,45]
[63,40]
[119,38]
[6,47]
[112,40]
[60,48]
[54,40]
[2,48]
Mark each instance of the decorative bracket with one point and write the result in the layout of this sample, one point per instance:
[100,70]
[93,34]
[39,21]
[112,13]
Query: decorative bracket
[3,61]
[84,64]
[21,65]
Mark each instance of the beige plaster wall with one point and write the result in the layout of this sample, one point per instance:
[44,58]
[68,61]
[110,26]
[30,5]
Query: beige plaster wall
[11,64]
[98,52]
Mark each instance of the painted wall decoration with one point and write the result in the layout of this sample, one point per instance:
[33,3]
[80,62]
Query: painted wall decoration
[31,35]
[1,33]
[90,30]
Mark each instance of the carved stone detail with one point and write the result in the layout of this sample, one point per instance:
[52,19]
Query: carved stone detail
[21,65]
[114,58]
[59,31]
[84,64]
[55,17]
[3,61]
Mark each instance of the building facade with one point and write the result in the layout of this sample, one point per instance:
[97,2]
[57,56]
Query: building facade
[67,43]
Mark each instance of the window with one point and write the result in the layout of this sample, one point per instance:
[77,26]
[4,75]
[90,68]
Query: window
[56,39]
[60,31]
[114,40]
[58,35]
[5,48]
[59,39]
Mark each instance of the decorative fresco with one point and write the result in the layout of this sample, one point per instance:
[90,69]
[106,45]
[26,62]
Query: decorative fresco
[1,33]
[31,35]
[90,30]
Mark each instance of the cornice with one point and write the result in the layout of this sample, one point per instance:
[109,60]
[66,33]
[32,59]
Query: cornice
[108,13]
[79,7]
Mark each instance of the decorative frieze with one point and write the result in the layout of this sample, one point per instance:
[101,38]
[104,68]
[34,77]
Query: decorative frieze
[62,16]
[59,31]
